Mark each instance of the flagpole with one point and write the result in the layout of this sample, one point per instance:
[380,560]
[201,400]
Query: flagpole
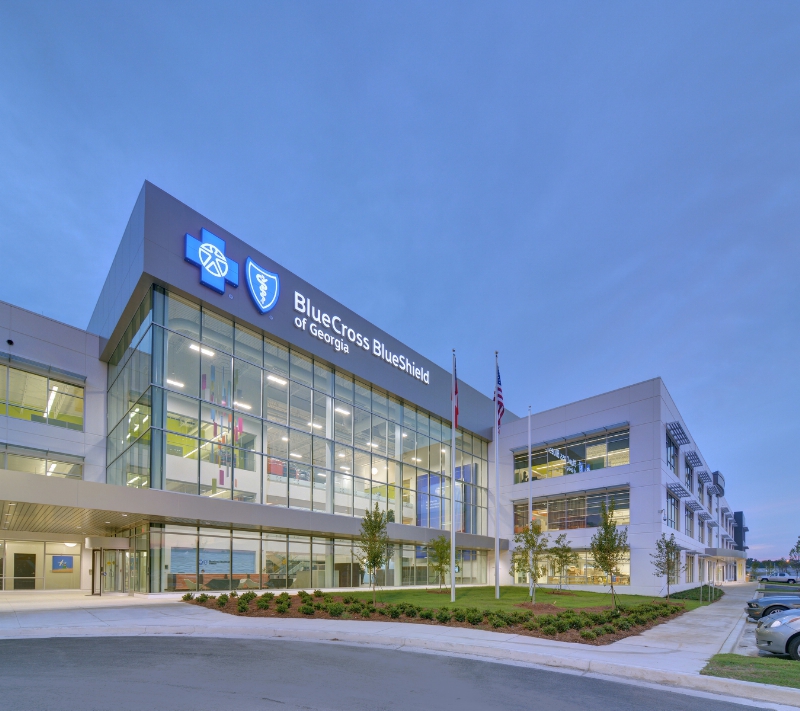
[530,496]
[496,489]
[453,423]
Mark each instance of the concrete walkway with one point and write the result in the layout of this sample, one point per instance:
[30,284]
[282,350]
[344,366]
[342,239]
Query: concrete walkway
[671,653]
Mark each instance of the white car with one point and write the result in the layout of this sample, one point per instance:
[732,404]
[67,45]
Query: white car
[779,578]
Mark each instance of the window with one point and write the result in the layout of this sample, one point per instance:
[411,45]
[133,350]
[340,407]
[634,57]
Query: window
[672,453]
[35,462]
[689,477]
[700,528]
[241,416]
[672,512]
[581,454]
[689,568]
[38,398]
[570,512]
[688,523]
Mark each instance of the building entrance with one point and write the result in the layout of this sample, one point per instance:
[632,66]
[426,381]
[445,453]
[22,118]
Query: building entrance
[109,571]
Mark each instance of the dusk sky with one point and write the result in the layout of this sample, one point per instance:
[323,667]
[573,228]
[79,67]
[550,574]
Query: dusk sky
[604,192]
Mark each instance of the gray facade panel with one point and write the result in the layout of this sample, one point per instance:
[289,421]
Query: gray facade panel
[166,221]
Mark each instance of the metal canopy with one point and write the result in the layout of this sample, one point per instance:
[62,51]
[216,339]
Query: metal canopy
[693,506]
[712,523]
[704,516]
[678,490]
[678,433]
[725,510]
[704,476]
[693,460]
[713,489]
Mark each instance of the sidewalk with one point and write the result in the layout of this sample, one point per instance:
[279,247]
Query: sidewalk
[672,653]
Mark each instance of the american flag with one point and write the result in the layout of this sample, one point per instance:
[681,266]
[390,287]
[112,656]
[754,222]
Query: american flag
[454,394]
[498,398]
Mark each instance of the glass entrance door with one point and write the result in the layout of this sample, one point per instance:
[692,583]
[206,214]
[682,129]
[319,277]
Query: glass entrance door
[97,572]
[114,575]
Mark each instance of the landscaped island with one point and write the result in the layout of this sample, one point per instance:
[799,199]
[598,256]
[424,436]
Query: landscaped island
[576,617]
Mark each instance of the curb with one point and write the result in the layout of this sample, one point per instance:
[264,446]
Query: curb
[696,682]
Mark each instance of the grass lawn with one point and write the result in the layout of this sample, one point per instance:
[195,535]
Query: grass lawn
[483,598]
[764,670]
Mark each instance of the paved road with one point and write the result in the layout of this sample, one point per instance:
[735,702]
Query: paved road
[199,674]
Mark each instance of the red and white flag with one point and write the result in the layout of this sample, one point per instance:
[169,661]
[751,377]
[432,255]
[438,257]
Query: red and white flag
[454,393]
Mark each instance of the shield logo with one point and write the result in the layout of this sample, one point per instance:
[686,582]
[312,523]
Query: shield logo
[264,286]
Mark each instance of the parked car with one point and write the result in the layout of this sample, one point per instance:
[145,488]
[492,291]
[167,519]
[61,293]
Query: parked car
[780,633]
[770,604]
[779,578]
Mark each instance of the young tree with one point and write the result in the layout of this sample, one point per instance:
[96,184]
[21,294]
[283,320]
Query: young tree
[372,549]
[563,556]
[530,554]
[667,559]
[439,557]
[609,546]
[794,556]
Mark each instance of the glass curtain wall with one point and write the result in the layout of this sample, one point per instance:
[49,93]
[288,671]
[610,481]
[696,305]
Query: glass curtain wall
[19,459]
[223,412]
[570,512]
[35,397]
[189,559]
[36,565]
[580,455]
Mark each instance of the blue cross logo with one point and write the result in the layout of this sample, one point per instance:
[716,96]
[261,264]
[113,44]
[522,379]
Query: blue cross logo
[208,253]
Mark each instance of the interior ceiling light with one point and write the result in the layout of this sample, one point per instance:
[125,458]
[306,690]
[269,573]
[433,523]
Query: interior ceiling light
[243,405]
[276,379]
[175,383]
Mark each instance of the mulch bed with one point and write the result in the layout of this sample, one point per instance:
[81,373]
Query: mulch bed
[380,614]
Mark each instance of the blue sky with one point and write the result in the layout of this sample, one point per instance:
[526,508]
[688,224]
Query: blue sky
[603,192]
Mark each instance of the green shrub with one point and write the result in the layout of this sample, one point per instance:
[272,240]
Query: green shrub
[426,614]
[303,596]
[561,625]
[549,630]
[234,593]
[608,629]
[284,597]
[268,596]
[327,598]
[623,625]
[443,616]
[474,617]
[365,612]
[588,634]
[394,613]
[319,605]
[222,600]
[411,611]
[262,604]
[282,608]
[545,620]
[577,622]
[241,605]
[318,593]
[356,607]
[531,625]
[249,595]
[202,597]
[307,609]
[496,621]
[335,609]
[187,597]
[459,615]
[347,599]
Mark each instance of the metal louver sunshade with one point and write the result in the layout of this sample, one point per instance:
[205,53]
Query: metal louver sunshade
[678,433]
